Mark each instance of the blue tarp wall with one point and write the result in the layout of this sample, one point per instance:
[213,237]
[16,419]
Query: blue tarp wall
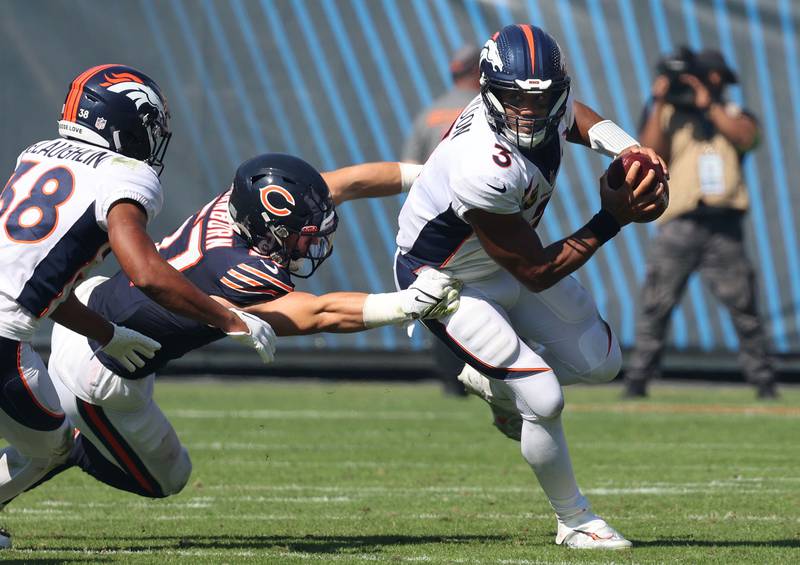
[339,81]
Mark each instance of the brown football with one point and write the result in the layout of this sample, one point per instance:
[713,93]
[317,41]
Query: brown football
[619,168]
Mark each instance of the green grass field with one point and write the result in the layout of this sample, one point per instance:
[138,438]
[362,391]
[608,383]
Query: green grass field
[311,472]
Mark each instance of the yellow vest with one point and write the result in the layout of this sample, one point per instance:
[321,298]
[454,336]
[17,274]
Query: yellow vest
[688,143]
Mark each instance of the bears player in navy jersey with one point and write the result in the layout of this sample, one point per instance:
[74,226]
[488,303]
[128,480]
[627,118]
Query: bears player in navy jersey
[67,202]
[525,326]
[243,248]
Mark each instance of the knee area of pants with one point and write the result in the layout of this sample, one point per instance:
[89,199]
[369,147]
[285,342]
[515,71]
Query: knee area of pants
[552,409]
[179,474]
[546,406]
[602,357]
[609,368]
[47,446]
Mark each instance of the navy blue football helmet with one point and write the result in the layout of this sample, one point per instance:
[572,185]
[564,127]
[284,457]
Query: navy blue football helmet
[118,108]
[283,208]
[524,84]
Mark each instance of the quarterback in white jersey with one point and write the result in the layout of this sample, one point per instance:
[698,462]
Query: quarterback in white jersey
[525,327]
[66,204]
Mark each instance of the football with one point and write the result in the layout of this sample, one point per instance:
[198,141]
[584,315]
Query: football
[618,169]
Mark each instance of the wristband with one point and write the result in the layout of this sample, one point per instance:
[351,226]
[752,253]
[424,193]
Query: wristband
[383,309]
[408,174]
[608,138]
[603,226]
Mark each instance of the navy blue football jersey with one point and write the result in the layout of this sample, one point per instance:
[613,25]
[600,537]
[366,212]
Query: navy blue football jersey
[211,255]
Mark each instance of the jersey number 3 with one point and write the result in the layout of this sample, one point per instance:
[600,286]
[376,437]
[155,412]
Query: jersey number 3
[34,218]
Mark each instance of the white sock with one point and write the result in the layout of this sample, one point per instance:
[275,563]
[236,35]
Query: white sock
[544,447]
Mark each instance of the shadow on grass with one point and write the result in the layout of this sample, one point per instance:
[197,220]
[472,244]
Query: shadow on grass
[54,561]
[678,542]
[306,544]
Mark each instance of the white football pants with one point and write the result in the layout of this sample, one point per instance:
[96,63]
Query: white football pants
[490,332]
[31,421]
[119,418]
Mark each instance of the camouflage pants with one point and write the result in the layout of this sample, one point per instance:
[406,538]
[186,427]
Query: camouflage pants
[713,246]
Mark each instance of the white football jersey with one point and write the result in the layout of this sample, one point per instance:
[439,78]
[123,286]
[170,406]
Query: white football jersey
[53,223]
[474,167]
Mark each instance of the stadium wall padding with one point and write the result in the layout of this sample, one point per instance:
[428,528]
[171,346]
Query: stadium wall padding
[339,81]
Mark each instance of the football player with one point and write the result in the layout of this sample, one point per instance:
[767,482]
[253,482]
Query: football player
[67,202]
[525,327]
[276,222]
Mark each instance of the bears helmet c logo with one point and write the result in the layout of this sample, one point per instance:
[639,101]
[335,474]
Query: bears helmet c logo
[274,188]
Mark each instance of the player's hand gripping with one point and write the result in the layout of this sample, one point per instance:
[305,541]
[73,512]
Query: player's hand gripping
[259,336]
[433,295]
[650,153]
[128,347]
[633,201]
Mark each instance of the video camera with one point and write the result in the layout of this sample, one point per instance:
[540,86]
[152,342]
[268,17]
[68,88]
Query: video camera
[673,66]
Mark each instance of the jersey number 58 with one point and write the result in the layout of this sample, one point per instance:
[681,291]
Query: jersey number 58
[34,218]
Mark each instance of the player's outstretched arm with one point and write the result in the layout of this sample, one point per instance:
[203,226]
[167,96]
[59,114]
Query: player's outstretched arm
[433,295]
[301,313]
[514,244]
[370,180]
[138,257]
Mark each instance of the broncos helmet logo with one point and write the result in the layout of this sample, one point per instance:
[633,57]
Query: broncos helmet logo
[491,54]
[132,86]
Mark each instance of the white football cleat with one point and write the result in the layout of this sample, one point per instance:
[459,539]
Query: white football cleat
[590,532]
[496,393]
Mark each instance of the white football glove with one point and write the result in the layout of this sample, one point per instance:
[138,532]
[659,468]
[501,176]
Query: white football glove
[434,294]
[259,336]
[128,347]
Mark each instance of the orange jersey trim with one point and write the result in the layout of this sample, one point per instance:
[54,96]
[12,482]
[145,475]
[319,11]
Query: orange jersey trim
[266,277]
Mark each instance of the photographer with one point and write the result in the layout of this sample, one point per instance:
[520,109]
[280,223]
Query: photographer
[704,139]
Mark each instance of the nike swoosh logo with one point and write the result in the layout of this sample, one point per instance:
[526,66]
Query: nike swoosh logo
[500,190]
[271,268]
[434,300]
[594,536]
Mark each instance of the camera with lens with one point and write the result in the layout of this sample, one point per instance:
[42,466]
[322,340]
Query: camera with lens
[673,66]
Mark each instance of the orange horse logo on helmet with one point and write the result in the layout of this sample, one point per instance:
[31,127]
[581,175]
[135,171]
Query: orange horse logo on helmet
[134,88]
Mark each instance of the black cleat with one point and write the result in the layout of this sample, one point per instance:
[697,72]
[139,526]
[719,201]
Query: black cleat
[635,389]
[767,391]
